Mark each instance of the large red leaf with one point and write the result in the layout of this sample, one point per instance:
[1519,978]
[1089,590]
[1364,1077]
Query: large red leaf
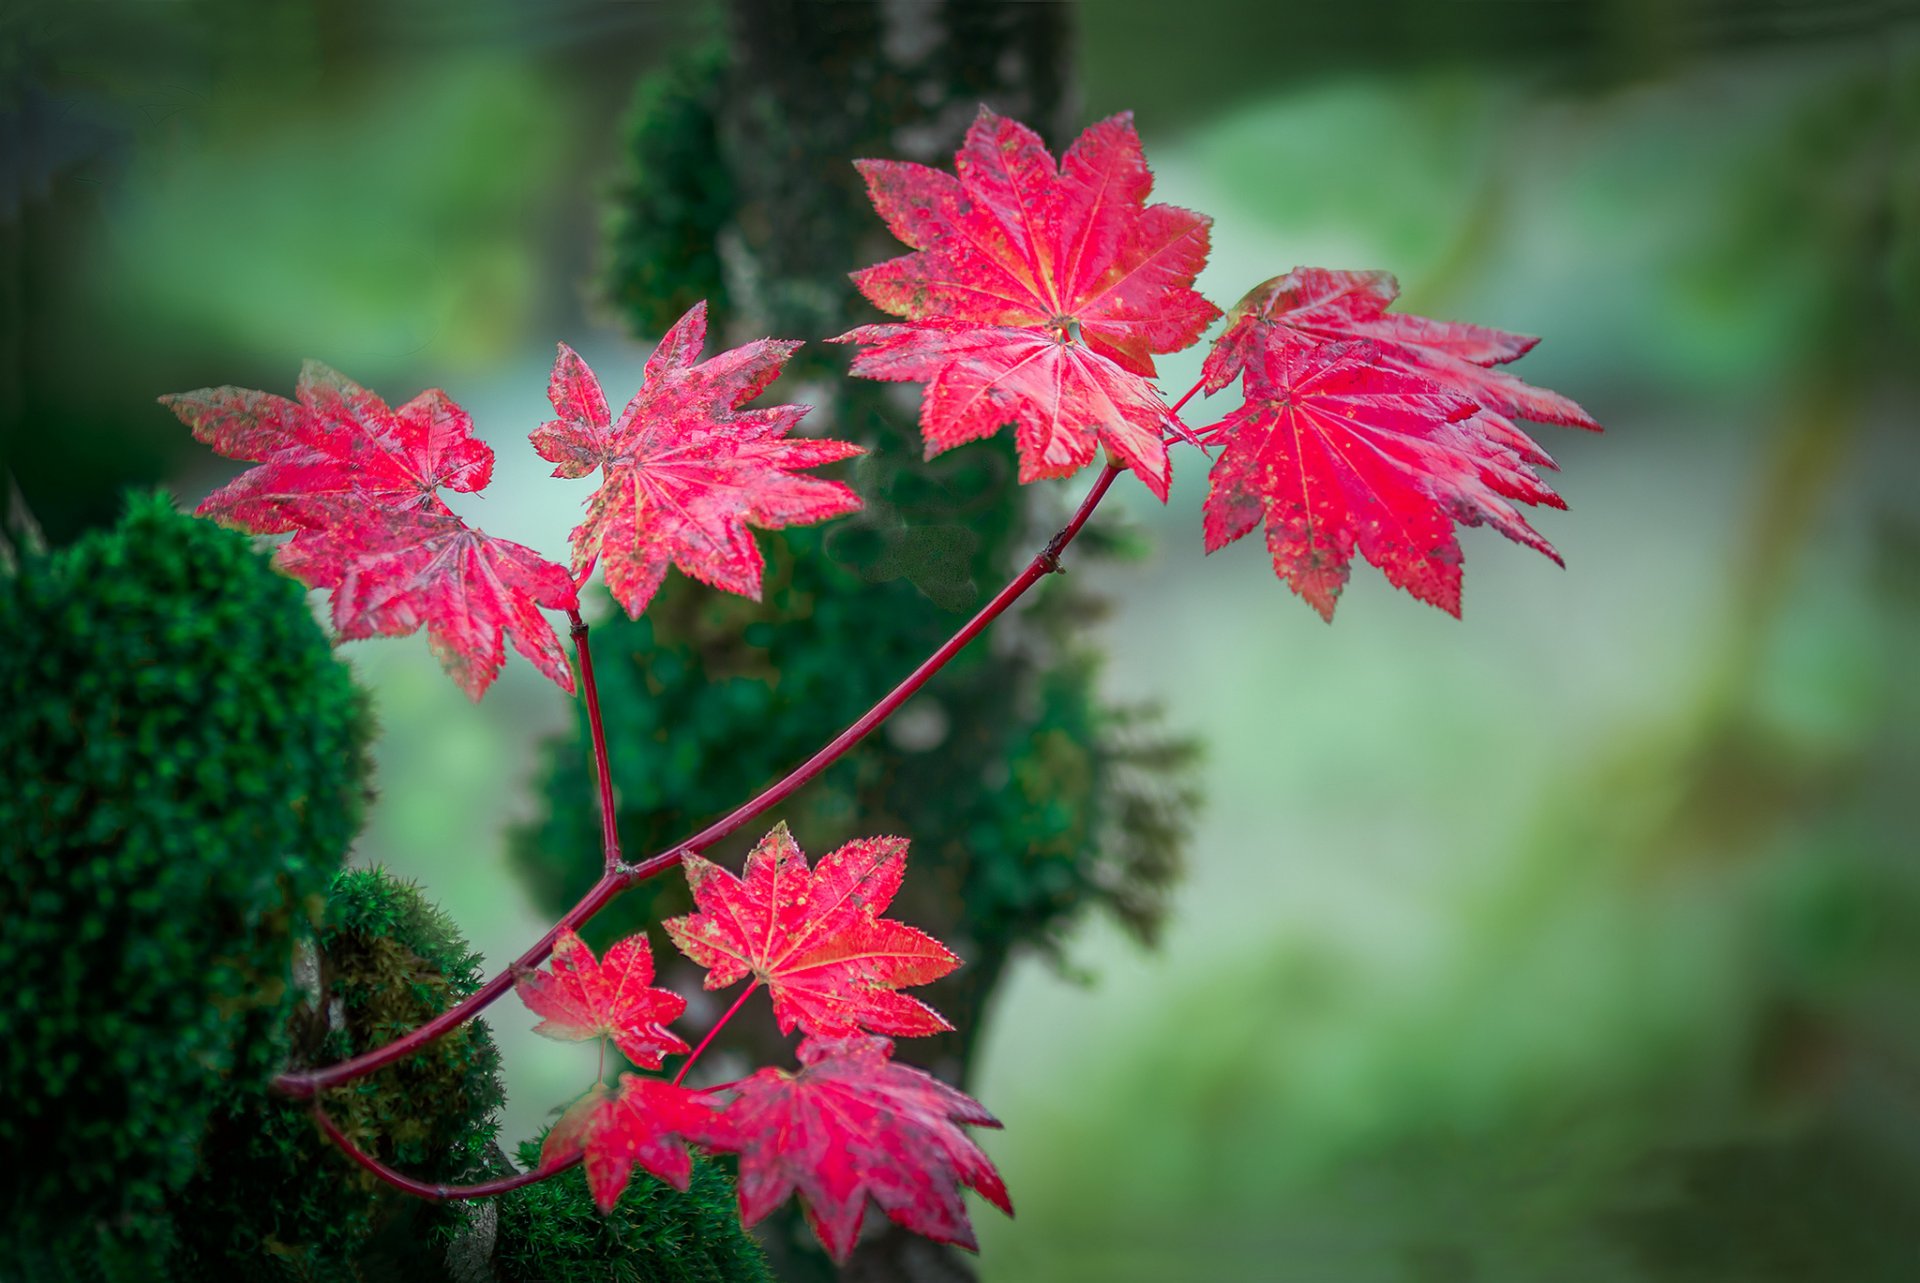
[1339,451]
[851,1125]
[359,483]
[685,469]
[815,937]
[582,997]
[1037,295]
[647,1124]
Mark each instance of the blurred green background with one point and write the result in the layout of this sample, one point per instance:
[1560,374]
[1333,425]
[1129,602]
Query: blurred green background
[1577,940]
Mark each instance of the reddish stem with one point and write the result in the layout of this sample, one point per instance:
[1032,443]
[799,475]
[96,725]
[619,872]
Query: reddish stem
[304,1084]
[718,1025]
[609,826]
[421,1189]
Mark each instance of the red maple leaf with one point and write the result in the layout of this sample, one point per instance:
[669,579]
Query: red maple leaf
[338,443]
[685,468]
[359,483]
[647,1124]
[582,998]
[852,1124]
[1037,295]
[815,938]
[1338,451]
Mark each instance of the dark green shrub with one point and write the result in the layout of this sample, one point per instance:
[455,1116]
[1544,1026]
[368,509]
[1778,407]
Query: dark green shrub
[184,767]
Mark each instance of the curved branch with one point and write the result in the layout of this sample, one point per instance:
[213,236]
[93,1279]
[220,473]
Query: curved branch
[422,1189]
[305,1084]
[609,827]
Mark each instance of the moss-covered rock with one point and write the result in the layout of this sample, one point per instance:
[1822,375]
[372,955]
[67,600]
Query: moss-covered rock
[184,767]
[551,1232]
[273,1199]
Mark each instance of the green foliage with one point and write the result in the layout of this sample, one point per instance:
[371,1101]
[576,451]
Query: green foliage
[272,1198]
[552,1233]
[185,767]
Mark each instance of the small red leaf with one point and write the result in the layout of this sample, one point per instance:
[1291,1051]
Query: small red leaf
[1337,452]
[646,1124]
[359,483]
[815,938]
[582,998]
[1037,296]
[851,1125]
[685,469]
[338,441]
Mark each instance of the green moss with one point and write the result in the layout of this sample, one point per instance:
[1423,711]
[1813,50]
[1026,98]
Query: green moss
[185,767]
[273,1199]
[552,1233]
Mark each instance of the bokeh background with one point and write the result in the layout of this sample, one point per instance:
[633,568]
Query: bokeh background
[1577,940]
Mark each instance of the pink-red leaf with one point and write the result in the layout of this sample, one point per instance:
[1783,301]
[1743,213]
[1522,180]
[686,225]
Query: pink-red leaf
[646,1124]
[359,484]
[1338,452]
[851,1125]
[581,997]
[685,469]
[336,442]
[815,937]
[1034,283]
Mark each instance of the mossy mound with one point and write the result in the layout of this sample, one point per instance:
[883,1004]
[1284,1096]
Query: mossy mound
[184,764]
[275,1200]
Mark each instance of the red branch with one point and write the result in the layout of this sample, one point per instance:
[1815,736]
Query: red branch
[421,1189]
[304,1084]
[609,827]
[718,1025]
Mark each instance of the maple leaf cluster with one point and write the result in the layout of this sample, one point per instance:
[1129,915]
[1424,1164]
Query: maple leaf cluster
[1038,295]
[685,469]
[849,1125]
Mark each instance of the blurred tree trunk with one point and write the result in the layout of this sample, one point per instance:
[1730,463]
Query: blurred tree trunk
[813,86]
